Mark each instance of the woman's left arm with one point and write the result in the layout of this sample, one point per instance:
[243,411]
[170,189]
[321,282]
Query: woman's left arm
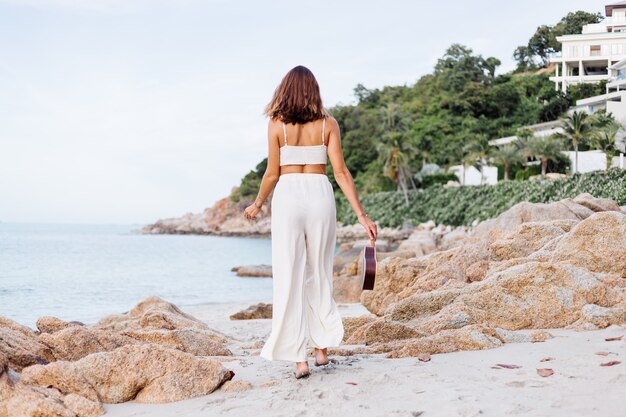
[272,172]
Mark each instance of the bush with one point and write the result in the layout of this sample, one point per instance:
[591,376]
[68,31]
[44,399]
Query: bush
[463,205]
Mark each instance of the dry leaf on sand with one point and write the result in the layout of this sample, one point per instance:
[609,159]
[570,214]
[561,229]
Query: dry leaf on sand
[545,372]
[506,366]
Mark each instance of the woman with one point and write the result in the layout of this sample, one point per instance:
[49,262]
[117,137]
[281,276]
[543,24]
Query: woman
[300,136]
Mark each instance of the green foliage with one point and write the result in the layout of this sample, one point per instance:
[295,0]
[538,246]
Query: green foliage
[543,42]
[250,183]
[463,205]
[583,90]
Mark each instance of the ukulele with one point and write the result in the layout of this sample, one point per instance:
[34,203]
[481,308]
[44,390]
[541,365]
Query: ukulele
[368,266]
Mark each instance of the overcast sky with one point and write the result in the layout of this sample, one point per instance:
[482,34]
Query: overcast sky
[125,111]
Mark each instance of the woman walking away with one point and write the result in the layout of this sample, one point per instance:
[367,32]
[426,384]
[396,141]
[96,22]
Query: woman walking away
[300,136]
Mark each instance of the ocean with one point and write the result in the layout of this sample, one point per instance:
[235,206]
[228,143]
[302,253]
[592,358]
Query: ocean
[84,272]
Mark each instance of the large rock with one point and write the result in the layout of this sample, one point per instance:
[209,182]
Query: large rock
[253,270]
[75,342]
[597,244]
[48,324]
[536,266]
[153,313]
[21,346]
[257,311]
[35,401]
[142,372]
[575,209]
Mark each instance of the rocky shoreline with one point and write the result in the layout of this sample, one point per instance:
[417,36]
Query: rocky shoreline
[535,271]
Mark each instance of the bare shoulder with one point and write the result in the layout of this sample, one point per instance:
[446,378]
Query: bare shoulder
[332,123]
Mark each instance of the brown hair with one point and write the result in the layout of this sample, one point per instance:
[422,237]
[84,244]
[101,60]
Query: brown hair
[297,98]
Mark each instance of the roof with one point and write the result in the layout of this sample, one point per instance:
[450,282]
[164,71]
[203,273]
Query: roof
[609,7]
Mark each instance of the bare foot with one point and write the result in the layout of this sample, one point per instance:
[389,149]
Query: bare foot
[321,357]
[302,369]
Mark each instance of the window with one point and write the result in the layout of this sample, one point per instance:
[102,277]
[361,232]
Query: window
[595,50]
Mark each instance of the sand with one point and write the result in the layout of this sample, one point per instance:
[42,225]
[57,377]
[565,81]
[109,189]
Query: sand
[453,384]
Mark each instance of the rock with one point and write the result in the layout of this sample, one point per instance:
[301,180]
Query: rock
[422,304]
[223,218]
[346,257]
[33,401]
[154,313]
[600,317]
[596,204]
[236,386]
[597,244]
[537,266]
[528,238]
[253,271]
[351,324]
[383,331]
[151,374]
[346,288]
[154,320]
[452,239]
[526,212]
[190,341]
[75,342]
[20,345]
[47,324]
[256,311]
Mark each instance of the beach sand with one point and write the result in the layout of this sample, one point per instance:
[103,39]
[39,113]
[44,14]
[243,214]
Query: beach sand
[453,384]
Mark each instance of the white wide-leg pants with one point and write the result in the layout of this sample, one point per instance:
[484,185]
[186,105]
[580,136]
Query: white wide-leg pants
[303,246]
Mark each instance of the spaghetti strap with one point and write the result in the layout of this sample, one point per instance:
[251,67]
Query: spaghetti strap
[285,132]
[323,128]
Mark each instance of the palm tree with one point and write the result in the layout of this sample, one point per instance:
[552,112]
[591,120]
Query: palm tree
[545,149]
[508,155]
[477,151]
[604,136]
[395,149]
[577,127]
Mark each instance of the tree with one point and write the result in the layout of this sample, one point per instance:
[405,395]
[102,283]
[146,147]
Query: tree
[508,155]
[576,128]
[395,150]
[543,42]
[524,57]
[604,131]
[477,152]
[545,149]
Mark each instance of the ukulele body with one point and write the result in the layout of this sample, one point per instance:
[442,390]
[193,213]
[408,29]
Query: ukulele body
[368,266]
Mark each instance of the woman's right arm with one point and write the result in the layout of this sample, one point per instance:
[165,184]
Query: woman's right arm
[272,171]
[344,178]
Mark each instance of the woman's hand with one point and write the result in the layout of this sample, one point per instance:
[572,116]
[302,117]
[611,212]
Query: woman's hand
[251,211]
[369,225]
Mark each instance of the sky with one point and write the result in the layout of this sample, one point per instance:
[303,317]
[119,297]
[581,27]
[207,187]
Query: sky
[126,111]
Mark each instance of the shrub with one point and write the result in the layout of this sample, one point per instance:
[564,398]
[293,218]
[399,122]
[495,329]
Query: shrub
[463,205]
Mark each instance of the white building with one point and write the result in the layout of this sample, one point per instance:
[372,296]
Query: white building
[472,176]
[586,57]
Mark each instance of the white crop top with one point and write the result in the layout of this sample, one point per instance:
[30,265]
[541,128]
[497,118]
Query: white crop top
[303,155]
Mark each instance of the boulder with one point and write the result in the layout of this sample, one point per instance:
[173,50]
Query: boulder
[21,346]
[75,342]
[256,311]
[36,401]
[151,374]
[537,266]
[47,324]
[597,244]
[253,270]
[346,288]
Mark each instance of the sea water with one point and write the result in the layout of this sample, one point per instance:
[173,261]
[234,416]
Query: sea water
[84,272]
